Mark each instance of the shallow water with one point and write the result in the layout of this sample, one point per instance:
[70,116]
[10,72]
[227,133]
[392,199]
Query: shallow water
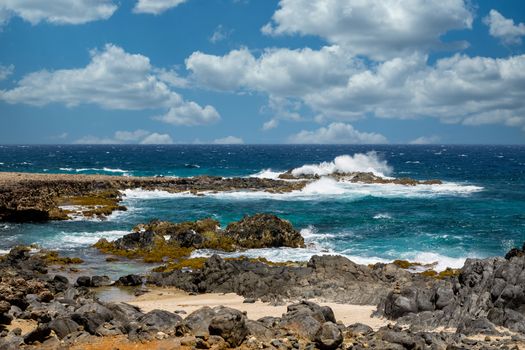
[479,211]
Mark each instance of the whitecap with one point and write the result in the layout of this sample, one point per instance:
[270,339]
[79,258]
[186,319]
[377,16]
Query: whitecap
[324,188]
[382,216]
[105,169]
[359,162]
[412,162]
[267,174]
[70,240]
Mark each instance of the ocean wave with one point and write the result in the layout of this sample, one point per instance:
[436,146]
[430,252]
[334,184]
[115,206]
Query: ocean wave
[104,169]
[359,162]
[267,174]
[70,240]
[324,188]
[311,235]
[440,262]
[382,216]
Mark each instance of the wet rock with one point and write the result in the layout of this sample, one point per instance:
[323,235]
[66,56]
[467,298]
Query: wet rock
[100,281]
[264,231]
[130,280]
[83,281]
[230,324]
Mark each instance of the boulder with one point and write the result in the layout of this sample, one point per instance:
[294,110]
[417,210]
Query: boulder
[230,324]
[159,321]
[83,281]
[305,319]
[100,281]
[264,231]
[63,326]
[130,280]
[329,336]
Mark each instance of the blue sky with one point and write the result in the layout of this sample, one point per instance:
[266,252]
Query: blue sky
[262,71]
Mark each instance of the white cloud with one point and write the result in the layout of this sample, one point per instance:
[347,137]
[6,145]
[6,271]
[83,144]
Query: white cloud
[155,7]
[220,34]
[190,114]
[504,28]
[129,137]
[157,139]
[337,133]
[283,72]
[425,140]
[57,11]
[271,124]
[6,71]
[229,140]
[379,29]
[94,140]
[114,79]
[337,86]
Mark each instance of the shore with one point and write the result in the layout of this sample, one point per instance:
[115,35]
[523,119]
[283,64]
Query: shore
[173,299]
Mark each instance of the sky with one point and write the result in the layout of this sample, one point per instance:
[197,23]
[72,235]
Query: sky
[262,71]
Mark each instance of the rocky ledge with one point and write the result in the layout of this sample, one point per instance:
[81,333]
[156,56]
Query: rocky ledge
[40,197]
[62,315]
[359,177]
[26,197]
[162,241]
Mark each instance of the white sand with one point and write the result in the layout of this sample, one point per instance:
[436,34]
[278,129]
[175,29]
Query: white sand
[171,299]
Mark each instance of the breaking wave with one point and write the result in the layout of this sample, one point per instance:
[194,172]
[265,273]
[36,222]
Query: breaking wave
[359,162]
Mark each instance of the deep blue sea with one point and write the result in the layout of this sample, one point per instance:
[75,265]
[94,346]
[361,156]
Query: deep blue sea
[479,211]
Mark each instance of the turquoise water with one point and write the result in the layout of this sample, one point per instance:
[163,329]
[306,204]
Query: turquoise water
[479,211]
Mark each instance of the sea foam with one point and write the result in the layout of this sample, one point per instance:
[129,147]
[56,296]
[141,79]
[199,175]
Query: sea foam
[359,162]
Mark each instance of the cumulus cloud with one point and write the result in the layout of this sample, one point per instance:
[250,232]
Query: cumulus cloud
[155,7]
[425,140]
[337,133]
[229,140]
[128,137]
[378,29]
[157,139]
[115,80]
[336,85]
[57,11]
[6,71]
[504,28]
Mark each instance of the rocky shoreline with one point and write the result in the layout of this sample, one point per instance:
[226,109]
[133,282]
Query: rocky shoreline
[30,197]
[477,307]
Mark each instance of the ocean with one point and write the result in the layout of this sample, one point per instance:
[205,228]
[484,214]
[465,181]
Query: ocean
[479,210]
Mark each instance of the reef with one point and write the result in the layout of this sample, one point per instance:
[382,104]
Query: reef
[162,241]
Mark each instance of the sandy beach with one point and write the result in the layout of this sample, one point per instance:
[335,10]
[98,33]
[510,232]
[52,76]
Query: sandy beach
[172,299]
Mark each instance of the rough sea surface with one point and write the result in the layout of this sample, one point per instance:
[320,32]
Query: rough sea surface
[479,211]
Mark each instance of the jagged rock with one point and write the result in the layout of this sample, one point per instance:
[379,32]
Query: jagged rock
[91,316]
[198,322]
[230,324]
[306,319]
[264,231]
